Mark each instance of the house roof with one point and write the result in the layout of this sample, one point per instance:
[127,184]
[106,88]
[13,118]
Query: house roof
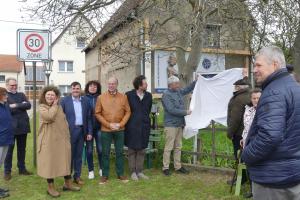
[71,22]
[119,17]
[9,63]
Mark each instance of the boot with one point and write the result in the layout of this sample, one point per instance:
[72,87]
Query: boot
[68,186]
[52,191]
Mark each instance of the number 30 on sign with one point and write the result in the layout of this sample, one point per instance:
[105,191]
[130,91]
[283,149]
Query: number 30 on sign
[33,45]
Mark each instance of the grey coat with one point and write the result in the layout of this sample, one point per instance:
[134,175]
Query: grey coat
[173,103]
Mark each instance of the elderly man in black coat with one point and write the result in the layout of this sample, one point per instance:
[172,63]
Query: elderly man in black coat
[18,105]
[137,129]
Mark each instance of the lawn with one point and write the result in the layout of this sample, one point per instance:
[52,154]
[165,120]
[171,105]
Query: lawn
[195,186]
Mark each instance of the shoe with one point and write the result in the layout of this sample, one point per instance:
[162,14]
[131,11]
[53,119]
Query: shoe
[25,173]
[182,170]
[3,190]
[142,176]
[103,180]
[123,179]
[78,181]
[52,191]
[166,172]
[134,177]
[68,186]
[7,176]
[3,195]
[248,195]
[100,172]
[91,175]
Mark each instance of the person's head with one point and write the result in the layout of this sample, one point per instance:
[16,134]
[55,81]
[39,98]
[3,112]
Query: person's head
[140,82]
[267,61]
[241,84]
[75,89]
[174,83]
[255,95]
[93,87]
[290,68]
[49,95]
[172,60]
[3,94]
[11,85]
[112,84]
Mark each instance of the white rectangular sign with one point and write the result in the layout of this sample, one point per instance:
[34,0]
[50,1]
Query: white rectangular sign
[33,45]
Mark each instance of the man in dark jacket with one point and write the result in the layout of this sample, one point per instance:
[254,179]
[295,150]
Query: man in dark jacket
[18,105]
[272,151]
[236,109]
[137,129]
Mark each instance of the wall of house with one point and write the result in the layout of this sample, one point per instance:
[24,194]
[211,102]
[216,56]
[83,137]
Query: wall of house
[19,76]
[92,66]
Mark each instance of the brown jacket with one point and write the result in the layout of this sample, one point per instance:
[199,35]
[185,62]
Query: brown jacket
[112,108]
[53,145]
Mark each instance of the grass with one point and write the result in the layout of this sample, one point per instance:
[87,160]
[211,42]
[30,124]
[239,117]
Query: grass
[195,186]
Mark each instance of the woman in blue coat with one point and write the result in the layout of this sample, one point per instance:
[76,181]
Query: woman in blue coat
[6,132]
[92,91]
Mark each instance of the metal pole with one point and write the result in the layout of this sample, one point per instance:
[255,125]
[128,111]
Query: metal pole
[48,76]
[34,113]
[213,142]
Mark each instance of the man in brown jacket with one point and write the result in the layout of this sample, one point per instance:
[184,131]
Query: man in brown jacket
[112,111]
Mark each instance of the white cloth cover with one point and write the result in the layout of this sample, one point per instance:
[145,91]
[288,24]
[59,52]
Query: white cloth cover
[210,101]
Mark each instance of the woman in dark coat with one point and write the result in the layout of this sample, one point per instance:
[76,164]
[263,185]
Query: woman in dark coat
[6,132]
[138,127]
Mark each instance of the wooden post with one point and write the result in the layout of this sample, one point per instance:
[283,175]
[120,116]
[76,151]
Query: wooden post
[213,143]
[199,149]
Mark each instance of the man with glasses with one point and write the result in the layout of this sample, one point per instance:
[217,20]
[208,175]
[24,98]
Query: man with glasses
[18,105]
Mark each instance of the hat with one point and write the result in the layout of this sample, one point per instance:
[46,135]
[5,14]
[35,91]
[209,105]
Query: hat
[242,82]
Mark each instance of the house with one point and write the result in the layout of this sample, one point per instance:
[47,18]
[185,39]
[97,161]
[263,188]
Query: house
[125,47]
[11,67]
[68,58]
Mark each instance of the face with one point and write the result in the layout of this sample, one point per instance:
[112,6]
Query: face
[144,85]
[75,91]
[255,98]
[172,60]
[3,97]
[175,86]
[50,97]
[112,84]
[263,68]
[92,89]
[12,86]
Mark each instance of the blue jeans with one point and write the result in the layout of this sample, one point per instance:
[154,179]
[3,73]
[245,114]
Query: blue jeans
[77,143]
[90,150]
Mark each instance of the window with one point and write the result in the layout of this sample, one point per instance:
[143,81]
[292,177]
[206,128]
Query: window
[80,42]
[65,66]
[212,36]
[40,74]
[2,78]
[64,89]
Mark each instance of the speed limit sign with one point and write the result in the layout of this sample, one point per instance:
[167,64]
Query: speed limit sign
[33,45]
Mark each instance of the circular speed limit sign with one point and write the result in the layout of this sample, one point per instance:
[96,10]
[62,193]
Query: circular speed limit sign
[34,42]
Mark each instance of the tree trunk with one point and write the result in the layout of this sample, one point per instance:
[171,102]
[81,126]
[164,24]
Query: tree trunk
[296,53]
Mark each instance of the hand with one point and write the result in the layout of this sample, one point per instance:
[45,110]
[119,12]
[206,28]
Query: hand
[13,105]
[117,125]
[89,137]
[242,143]
[55,102]
[188,112]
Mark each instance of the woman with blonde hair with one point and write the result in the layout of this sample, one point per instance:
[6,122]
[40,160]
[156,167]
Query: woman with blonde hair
[54,147]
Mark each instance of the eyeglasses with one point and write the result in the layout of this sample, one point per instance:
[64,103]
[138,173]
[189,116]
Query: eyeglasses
[13,85]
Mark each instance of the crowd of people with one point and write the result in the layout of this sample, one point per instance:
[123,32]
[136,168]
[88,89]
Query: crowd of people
[263,123]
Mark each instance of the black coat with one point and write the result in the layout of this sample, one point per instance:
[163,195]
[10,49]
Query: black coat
[20,118]
[138,127]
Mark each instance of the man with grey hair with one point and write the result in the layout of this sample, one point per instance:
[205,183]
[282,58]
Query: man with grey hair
[173,103]
[272,150]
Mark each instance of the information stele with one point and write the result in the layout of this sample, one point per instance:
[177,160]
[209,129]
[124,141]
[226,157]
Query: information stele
[33,45]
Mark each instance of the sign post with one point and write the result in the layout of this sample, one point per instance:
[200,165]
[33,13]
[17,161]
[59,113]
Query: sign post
[33,46]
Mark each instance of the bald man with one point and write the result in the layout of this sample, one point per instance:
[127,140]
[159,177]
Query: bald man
[112,111]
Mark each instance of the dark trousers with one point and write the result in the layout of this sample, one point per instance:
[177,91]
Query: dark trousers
[236,145]
[77,143]
[90,150]
[21,152]
[51,180]
[136,160]
[106,139]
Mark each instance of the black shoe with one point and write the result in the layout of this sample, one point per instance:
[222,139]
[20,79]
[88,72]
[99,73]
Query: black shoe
[182,171]
[3,195]
[25,173]
[3,190]
[248,195]
[166,172]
